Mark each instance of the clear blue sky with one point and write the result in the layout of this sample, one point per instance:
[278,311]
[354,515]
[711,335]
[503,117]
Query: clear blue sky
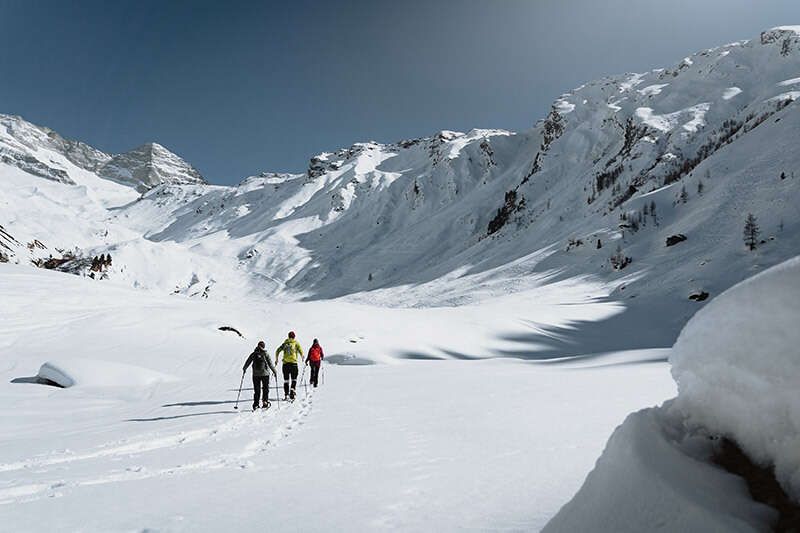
[241,87]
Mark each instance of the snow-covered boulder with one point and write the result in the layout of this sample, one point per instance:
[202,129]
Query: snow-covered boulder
[654,476]
[737,364]
[95,373]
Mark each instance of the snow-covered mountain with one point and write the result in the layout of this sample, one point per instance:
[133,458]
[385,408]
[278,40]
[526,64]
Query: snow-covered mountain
[42,152]
[607,186]
[30,148]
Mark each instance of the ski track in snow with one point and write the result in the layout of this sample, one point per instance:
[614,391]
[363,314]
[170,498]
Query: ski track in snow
[137,469]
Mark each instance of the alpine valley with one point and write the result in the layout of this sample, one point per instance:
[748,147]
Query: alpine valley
[479,295]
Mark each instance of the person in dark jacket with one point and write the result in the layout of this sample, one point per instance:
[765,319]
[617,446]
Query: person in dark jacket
[262,365]
[314,359]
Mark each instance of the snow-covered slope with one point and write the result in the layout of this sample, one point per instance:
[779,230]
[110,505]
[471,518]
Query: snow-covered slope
[377,216]
[618,167]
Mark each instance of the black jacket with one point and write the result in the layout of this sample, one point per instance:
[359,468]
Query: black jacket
[261,363]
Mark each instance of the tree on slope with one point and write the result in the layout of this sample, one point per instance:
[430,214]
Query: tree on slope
[751,231]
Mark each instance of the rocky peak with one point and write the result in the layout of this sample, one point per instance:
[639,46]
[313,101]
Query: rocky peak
[149,165]
[780,33]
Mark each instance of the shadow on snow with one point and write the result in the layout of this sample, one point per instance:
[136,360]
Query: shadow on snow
[157,418]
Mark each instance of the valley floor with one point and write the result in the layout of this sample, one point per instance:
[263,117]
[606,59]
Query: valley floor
[494,444]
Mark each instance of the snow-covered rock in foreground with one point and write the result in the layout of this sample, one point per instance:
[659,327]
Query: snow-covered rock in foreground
[653,475]
[737,364]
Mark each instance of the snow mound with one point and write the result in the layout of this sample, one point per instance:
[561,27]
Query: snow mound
[96,373]
[348,359]
[737,364]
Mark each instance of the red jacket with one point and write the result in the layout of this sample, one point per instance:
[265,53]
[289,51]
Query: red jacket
[315,354]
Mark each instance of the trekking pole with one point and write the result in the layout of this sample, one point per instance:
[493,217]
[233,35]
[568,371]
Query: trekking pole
[322,366]
[277,392]
[240,391]
[302,378]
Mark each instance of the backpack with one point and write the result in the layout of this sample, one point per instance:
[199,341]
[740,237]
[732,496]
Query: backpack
[315,353]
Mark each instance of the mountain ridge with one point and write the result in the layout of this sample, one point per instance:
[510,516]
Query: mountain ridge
[143,167]
[596,189]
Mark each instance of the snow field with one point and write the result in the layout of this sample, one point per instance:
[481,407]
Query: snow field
[403,444]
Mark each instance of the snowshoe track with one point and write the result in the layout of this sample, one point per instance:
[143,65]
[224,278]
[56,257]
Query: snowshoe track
[288,418]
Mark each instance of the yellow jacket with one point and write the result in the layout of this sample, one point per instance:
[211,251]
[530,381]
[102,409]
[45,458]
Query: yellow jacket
[292,352]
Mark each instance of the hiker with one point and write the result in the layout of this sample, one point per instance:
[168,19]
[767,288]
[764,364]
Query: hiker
[292,353]
[314,359]
[262,365]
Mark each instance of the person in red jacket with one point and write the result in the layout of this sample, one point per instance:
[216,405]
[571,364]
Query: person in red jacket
[315,357]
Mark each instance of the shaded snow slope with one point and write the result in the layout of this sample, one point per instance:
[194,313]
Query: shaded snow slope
[736,364]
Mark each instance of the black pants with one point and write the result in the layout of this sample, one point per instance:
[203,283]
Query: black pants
[289,370]
[259,383]
[315,371]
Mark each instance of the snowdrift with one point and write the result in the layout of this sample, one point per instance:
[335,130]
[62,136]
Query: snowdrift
[653,475]
[95,373]
[737,365]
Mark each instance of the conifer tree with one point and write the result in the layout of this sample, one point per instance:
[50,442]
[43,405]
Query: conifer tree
[751,232]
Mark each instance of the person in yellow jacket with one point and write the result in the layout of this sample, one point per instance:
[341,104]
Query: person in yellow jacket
[292,355]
